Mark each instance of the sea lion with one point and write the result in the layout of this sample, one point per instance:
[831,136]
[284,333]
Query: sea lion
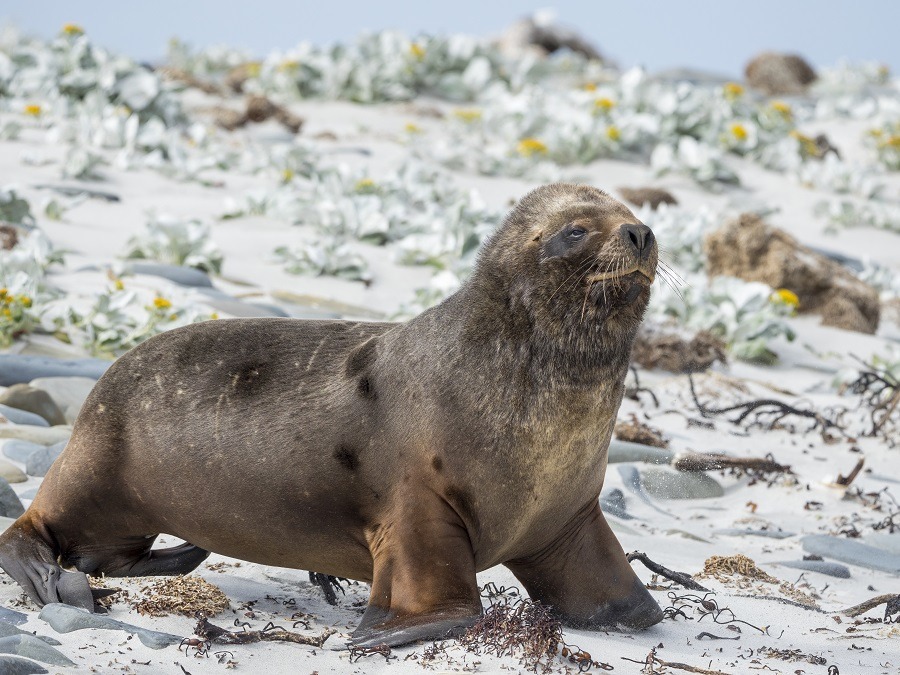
[406,455]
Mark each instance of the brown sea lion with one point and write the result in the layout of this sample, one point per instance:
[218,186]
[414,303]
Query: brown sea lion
[409,456]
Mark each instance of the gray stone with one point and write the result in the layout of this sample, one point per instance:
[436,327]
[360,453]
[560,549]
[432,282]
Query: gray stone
[11,473]
[612,502]
[852,552]
[32,647]
[245,310]
[12,616]
[742,532]
[13,665]
[7,629]
[39,435]
[69,393]
[886,542]
[19,450]
[820,566]
[33,400]
[669,484]
[631,478]
[10,506]
[626,451]
[65,619]
[18,368]
[29,494]
[39,462]
[184,276]
[4,524]
[17,416]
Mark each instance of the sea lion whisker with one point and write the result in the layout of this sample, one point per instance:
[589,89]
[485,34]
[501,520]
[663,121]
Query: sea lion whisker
[586,263]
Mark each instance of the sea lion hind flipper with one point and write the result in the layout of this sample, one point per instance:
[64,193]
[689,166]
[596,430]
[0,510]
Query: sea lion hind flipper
[586,578]
[431,627]
[162,562]
[30,561]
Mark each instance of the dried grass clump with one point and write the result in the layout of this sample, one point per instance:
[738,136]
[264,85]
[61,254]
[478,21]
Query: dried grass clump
[656,347]
[636,431]
[181,595]
[723,567]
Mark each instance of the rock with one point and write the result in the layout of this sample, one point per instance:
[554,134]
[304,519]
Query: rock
[32,647]
[742,532]
[69,393]
[539,35]
[668,484]
[820,566]
[29,494]
[17,416]
[852,552]
[613,503]
[886,542]
[12,616]
[184,276]
[5,523]
[259,109]
[238,308]
[631,478]
[750,249]
[18,368]
[9,237]
[647,195]
[11,473]
[13,665]
[10,505]
[37,401]
[40,435]
[20,450]
[777,74]
[65,619]
[676,350]
[626,451]
[7,629]
[39,462]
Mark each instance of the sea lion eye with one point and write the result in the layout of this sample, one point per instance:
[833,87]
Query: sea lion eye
[576,233]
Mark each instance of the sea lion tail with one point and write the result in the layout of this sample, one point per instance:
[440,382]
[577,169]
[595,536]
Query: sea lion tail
[27,555]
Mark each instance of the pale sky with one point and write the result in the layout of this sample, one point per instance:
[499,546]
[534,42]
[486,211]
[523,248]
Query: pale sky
[718,35]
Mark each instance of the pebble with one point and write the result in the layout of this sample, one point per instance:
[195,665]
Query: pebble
[11,473]
[12,616]
[613,502]
[32,647]
[741,532]
[852,552]
[626,451]
[7,629]
[17,416]
[19,450]
[33,400]
[65,619]
[670,484]
[39,462]
[183,276]
[10,505]
[39,435]
[631,477]
[13,665]
[886,542]
[67,392]
[18,368]
[820,566]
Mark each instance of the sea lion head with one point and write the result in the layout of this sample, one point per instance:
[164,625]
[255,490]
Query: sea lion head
[574,261]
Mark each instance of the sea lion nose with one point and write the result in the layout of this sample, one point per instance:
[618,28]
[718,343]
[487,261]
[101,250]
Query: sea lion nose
[639,236]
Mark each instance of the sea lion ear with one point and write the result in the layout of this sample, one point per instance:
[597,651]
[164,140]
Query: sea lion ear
[537,237]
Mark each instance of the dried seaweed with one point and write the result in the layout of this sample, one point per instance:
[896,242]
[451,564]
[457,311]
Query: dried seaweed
[681,578]
[636,431]
[269,633]
[184,595]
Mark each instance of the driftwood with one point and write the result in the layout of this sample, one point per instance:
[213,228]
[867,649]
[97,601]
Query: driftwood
[694,461]
[678,577]
[890,599]
[270,633]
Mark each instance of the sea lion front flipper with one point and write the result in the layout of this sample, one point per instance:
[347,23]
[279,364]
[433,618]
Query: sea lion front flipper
[160,562]
[423,585]
[584,575]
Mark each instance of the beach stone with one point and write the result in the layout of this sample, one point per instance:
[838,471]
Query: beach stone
[820,566]
[29,494]
[7,629]
[631,478]
[11,473]
[69,393]
[886,542]
[613,502]
[852,552]
[37,401]
[32,647]
[65,619]
[668,484]
[17,416]
[13,665]
[20,450]
[183,276]
[742,532]
[19,368]
[39,462]
[626,451]
[749,249]
[12,616]
[10,504]
[39,435]
[647,195]
[244,310]
[5,523]
[776,74]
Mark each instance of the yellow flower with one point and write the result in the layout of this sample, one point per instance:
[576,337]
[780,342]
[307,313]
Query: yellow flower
[468,114]
[119,285]
[590,86]
[787,297]
[161,303]
[25,301]
[7,312]
[782,109]
[364,184]
[417,50]
[733,90]
[613,133]
[739,131]
[808,146]
[288,65]
[604,104]
[287,175]
[173,317]
[3,293]
[892,141]
[253,68]
[531,146]
[33,109]
[412,128]
[214,316]
[72,29]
